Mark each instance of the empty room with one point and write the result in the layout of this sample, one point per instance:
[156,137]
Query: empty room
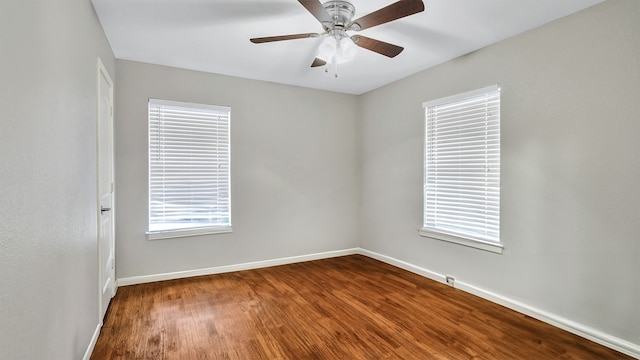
[305,179]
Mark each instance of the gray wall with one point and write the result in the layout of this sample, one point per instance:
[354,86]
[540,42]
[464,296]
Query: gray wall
[570,209]
[48,219]
[294,170]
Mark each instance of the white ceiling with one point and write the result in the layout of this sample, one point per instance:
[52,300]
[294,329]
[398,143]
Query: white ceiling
[213,36]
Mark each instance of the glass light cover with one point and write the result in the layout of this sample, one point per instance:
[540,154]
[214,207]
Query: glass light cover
[327,49]
[348,49]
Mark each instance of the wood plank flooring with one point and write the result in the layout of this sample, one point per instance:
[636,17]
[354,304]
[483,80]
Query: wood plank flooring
[350,307]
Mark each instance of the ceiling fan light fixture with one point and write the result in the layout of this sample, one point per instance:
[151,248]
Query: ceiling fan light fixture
[337,48]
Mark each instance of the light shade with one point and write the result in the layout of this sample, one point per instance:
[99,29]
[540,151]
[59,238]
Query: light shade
[327,49]
[347,50]
[332,50]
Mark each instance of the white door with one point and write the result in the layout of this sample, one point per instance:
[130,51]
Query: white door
[106,243]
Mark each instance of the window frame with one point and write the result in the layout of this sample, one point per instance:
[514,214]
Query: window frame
[197,228]
[440,233]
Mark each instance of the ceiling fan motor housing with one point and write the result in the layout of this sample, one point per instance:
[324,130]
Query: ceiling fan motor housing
[341,14]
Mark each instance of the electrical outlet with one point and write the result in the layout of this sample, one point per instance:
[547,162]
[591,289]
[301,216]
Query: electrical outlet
[451,280]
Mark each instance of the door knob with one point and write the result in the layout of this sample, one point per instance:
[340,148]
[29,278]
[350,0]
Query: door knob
[103,209]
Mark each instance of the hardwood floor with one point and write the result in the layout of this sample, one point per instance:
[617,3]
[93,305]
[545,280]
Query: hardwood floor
[350,307]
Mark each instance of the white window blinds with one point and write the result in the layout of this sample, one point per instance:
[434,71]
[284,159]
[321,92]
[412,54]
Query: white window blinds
[189,178]
[462,165]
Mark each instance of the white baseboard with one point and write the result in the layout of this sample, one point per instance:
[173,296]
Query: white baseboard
[229,268]
[573,327]
[584,331]
[404,265]
[92,344]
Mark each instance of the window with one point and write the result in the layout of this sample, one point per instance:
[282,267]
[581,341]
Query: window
[462,169]
[189,177]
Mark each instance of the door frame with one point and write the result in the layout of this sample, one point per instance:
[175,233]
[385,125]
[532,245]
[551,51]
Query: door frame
[103,73]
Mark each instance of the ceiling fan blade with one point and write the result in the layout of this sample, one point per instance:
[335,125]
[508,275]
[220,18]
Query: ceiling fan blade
[316,9]
[261,40]
[318,62]
[378,46]
[392,12]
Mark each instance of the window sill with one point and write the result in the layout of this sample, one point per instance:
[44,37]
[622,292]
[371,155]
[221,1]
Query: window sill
[478,244]
[169,234]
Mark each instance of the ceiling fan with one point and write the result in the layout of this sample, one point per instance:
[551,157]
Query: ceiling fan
[335,17]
